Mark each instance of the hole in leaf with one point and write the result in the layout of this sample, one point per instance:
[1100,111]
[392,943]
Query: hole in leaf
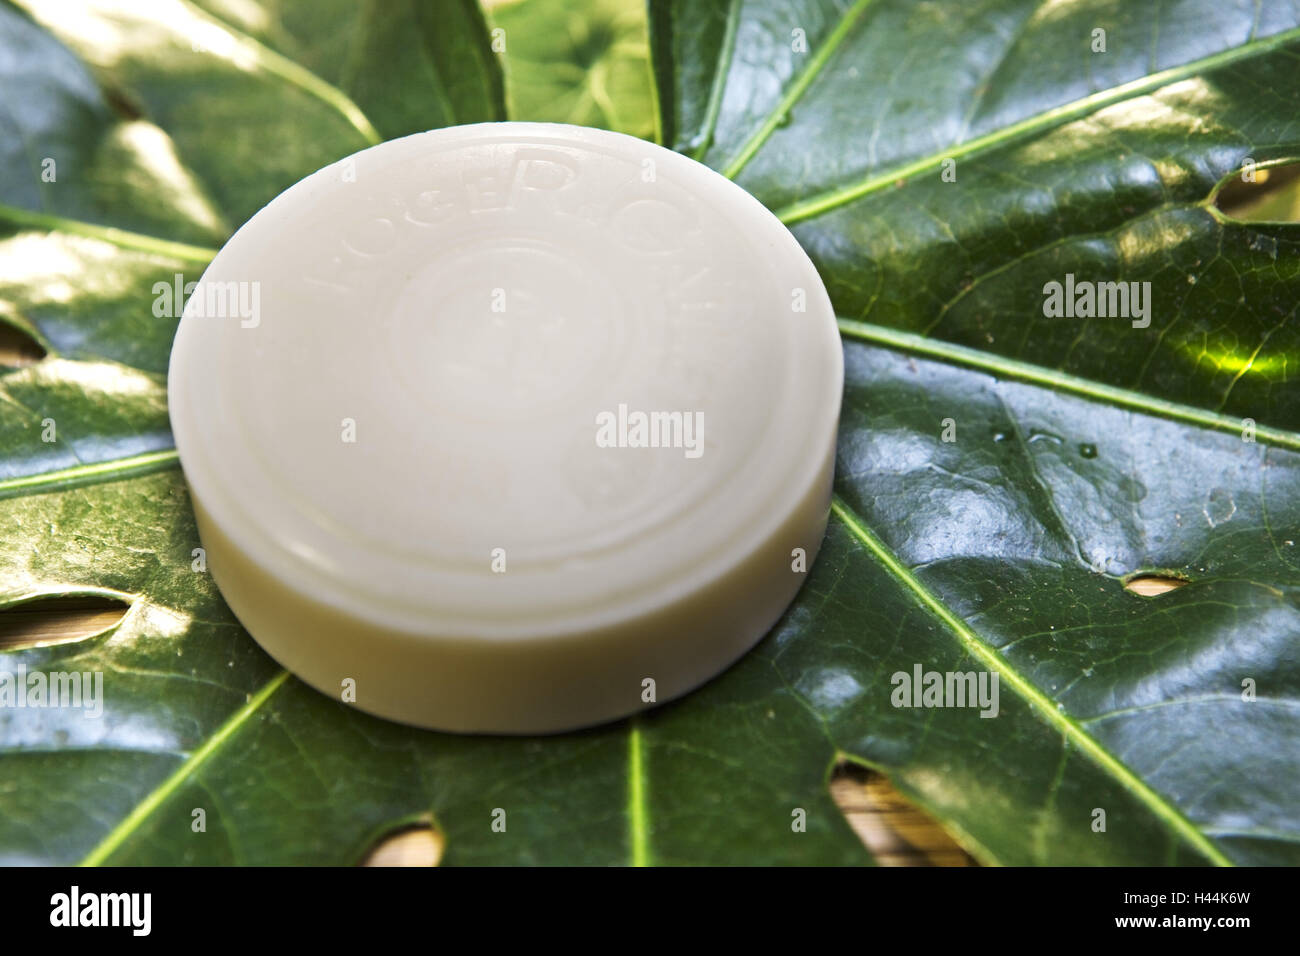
[895,831]
[18,348]
[417,844]
[64,619]
[1153,585]
[1272,196]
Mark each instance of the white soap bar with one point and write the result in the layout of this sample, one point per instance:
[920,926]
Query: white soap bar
[510,427]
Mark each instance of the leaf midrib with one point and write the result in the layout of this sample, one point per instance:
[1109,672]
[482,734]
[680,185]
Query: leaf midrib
[122,238]
[638,830]
[831,199]
[173,782]
[803,79]
[719,84]
[1057,380]
[98,472]
[296,74]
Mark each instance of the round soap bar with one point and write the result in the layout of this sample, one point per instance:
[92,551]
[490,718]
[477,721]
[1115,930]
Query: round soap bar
[510,427]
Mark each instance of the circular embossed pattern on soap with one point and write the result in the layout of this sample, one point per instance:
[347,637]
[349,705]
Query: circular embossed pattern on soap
[509,427]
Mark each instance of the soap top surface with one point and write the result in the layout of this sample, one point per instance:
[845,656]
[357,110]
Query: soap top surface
[405,362]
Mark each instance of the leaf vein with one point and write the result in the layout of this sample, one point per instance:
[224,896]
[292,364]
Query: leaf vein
[1039,702]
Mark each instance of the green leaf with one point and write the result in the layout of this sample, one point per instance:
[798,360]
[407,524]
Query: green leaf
[408,65]
[241,122]
[1085,450]
[585,63]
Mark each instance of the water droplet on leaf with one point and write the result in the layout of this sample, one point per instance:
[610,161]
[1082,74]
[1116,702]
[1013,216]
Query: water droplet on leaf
[1219,507]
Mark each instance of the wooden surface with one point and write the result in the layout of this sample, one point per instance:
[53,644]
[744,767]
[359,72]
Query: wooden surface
[896,832]
[49,621]
[415,845]
[1150,585]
